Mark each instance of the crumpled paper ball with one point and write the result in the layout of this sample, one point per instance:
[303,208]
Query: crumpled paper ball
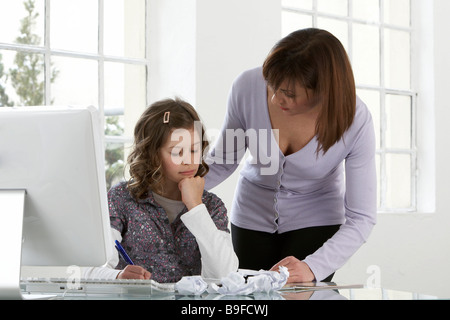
[243,282]
[191,285]
[248,282]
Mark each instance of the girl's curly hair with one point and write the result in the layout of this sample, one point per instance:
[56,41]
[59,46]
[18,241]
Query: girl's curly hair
[150,133]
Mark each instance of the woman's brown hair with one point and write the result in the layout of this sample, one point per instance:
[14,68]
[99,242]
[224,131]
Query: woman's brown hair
[151,131]
[317,60]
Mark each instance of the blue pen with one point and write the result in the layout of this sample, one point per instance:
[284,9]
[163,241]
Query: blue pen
[122,253]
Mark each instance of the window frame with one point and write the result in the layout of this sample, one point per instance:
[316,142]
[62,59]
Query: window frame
[100,57]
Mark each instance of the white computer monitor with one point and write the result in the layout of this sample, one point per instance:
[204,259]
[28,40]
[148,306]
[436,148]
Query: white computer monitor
[55,156]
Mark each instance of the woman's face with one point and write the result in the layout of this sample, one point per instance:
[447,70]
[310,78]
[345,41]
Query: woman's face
[293,99]
[181,155]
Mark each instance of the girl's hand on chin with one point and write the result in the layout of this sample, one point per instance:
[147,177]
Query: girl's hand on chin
[192,191]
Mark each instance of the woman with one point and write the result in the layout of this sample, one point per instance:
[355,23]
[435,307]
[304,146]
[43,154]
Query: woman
[306,196]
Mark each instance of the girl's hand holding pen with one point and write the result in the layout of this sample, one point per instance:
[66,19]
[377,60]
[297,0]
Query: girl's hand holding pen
[131,271]
[134,272]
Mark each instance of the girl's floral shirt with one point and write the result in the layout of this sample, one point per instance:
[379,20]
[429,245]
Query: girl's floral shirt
[168,250]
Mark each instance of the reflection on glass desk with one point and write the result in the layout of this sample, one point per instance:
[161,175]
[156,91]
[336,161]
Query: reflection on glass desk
[154,291]
[355,293]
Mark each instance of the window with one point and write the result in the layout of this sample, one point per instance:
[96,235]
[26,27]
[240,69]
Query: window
[378,37]
[84,52]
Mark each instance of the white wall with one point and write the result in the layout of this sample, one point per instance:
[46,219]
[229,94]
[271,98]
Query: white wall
[218,39]
[439,230]
[172,49]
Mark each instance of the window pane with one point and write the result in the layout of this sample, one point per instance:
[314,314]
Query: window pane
[372,100]
[125,87]
[292,21]
[22,78]
[337,7]
[114,88]
[397,59]
[76,82]
[22,24]
[398,126]
[398,167]
[368,10]
[337,27]
[124,33]
[303,4]
[74,25]
[114,159]
[397,12]
[7,92]
[366,54]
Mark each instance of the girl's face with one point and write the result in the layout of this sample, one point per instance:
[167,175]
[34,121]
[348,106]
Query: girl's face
[181,155]
[293,99]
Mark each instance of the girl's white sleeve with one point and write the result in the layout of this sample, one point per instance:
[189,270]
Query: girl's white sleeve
[106,271]
[216,248]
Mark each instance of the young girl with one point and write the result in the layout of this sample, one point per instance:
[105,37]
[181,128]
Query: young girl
[165,220]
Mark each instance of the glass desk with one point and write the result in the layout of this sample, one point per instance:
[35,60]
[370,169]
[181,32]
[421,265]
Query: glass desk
[302,291]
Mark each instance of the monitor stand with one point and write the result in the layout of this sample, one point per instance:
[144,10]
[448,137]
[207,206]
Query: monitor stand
[12,204]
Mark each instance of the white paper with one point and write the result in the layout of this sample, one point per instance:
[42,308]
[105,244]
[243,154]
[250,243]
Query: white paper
[246,282]
[243,282]
[191,285]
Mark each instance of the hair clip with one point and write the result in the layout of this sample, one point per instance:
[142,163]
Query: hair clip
[166,117]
